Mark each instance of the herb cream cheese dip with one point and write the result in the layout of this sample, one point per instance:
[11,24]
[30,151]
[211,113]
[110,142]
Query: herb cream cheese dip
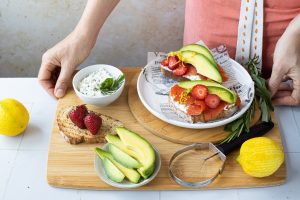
[90,85]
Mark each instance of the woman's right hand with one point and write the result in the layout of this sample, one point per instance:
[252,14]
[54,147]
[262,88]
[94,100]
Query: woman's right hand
[59,63]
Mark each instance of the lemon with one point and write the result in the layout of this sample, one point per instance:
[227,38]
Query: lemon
[260,157]
[14,117]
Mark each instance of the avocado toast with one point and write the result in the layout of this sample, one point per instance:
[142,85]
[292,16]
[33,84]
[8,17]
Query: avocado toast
[202,101]
[192,62]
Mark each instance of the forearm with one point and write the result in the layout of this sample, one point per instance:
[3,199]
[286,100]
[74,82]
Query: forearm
[294,27]
[93,18]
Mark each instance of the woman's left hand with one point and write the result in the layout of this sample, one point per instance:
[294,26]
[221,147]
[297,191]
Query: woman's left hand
[284,83]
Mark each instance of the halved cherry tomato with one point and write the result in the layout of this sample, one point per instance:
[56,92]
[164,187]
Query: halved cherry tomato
[196,109]
[199,92]
[176,90]
[173,62]
[191,70]
[180,70]
[222,73]
[212,100]
[165,62]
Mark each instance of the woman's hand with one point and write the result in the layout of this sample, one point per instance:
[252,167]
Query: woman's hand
[59,63]
[284,83]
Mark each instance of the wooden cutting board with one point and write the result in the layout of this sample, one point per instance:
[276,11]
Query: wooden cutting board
[72,166]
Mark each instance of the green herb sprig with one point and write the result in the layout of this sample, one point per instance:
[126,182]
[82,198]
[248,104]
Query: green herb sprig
[262,96]
[110,85]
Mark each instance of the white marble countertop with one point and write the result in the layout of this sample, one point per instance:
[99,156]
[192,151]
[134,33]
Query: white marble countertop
[23,159]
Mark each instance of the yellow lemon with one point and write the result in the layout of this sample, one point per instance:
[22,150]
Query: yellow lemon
[260,157]
[14,117]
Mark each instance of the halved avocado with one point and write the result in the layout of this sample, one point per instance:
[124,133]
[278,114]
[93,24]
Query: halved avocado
[112,171]
[131,174]
[137,147]
[122,157]
[200,49]
[202,64]
[224,93]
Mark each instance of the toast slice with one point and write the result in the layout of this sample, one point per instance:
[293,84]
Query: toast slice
[185,103]
[74,135]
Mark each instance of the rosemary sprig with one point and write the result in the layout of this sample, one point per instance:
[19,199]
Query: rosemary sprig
[263,97]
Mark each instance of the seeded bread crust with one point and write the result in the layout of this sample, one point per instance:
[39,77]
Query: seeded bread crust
[74,135]
[199,118]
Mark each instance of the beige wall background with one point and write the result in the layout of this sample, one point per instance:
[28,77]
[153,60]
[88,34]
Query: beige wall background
[29,27]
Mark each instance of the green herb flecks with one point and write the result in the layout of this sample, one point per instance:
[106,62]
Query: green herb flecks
[110,85]
[263,97]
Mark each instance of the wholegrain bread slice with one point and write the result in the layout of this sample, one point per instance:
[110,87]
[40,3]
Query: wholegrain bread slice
[199,118]
[74,135]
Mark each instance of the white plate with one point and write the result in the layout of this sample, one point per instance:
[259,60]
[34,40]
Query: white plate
[125,184]
[153,88]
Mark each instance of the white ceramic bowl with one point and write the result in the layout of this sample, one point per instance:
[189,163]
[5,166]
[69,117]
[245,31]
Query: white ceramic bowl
[125,184]
[97,100]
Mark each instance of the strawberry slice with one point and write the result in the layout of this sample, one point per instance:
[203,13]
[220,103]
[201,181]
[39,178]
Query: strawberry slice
[77,115]
[196,109]
[199,92]
[180,70]
[212,100]
[173,62]
[191,70]
[165,62]
[93,123]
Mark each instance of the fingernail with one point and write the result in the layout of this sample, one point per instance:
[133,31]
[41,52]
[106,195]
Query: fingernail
[59,93]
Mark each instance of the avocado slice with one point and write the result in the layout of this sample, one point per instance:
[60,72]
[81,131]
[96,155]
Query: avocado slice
[112,171]
[137,147]
[224,93]
[131,174]
[122,157]
[202,64]
[200,49]
[115,140]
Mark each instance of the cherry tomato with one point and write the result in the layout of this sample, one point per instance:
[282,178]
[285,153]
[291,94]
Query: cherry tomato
[199,92]
[212,100]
